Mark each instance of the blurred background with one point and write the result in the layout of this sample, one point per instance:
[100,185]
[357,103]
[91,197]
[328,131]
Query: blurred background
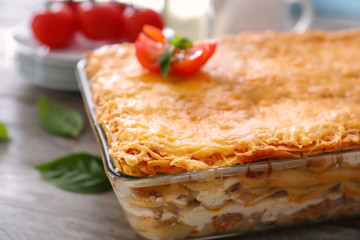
[195,19]
[329,14]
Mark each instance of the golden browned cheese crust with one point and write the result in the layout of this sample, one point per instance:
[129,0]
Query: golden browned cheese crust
[261,96]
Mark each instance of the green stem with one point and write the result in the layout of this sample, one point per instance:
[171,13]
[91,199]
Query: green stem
[48,4]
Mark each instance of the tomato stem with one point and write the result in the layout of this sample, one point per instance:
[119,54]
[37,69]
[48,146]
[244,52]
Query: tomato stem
[48,4]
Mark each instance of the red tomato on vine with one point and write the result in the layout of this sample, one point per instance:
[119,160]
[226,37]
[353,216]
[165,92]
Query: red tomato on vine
[54,25]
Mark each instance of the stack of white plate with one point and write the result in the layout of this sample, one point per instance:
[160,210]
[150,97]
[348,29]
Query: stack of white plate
[40,66]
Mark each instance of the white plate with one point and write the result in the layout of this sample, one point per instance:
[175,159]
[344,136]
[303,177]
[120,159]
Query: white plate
[42,66]
[26,43]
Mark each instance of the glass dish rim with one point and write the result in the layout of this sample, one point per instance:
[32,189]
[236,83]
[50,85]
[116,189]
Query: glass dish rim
[204,174]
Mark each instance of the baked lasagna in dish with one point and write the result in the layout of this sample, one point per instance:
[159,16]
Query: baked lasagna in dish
[262,98]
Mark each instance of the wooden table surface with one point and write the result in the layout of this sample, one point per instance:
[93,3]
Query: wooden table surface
[31,208]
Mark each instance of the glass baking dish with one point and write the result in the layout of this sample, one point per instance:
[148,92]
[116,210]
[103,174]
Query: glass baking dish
[233,200]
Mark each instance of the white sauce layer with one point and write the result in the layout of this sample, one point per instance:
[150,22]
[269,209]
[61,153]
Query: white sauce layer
[270,208]
[199,216]
[352,159]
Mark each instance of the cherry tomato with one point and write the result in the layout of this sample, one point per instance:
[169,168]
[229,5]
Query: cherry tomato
[148,52]
[154,33]
[54,26]
[137,18]
[121,21]
[73,5]
[151,44]
[100,21]
[70,3]
[121,6]
[188,61]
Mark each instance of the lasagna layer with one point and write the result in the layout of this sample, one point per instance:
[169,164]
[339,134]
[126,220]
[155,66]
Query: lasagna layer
[261,96]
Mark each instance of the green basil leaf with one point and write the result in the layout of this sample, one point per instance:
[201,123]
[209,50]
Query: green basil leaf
[3,132]
[77,172]
[180,42]
[59,119]
[164,62]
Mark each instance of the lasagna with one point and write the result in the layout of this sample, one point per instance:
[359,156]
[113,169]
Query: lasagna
[261,97]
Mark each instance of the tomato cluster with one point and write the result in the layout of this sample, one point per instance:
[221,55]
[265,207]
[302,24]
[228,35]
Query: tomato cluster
[56,24]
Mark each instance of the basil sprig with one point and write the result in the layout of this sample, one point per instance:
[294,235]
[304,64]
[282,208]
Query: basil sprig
[164,62]
[179,42]
[78,172]
[176,42]
[59,119]
[3,132]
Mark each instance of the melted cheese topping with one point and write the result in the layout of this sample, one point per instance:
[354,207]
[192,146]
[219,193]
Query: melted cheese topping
[261,96]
